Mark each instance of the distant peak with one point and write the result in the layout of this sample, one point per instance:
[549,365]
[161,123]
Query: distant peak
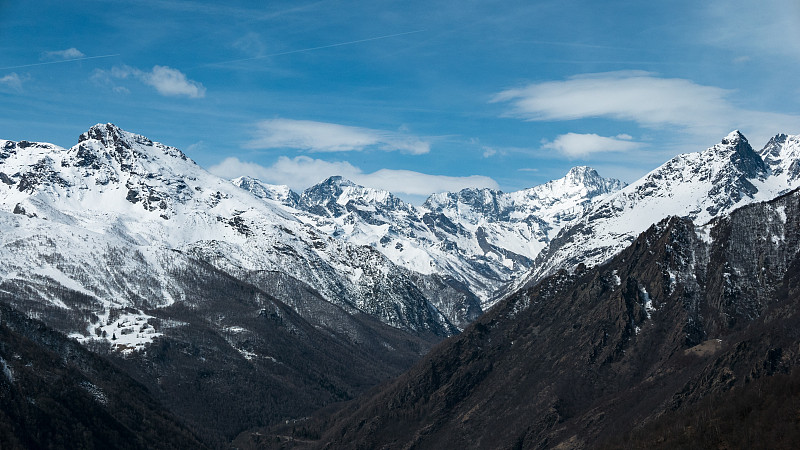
[121,142]
[582,172]
[337,179]
[778,139]
[331,186]
[245,180]
[111,135]
[581,169]
[102,132]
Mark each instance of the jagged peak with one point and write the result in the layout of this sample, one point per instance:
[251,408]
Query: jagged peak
[779,138]
[582,175]
[738,151]
[734,137]
[337,180]
[245,180]
[109,134]
[582,171]
[342,191]
[782,155]
[258,188]
[113,137]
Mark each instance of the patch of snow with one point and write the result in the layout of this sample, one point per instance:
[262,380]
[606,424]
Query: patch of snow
[126,334]
[648,302]
[236,329]
[704,233]
[95,391]
[7,370]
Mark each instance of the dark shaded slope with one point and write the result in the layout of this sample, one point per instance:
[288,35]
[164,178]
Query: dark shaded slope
[233,357]
[584,356]
[56,394]
[760,411]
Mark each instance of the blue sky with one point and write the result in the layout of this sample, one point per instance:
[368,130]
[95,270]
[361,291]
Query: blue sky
[411,96]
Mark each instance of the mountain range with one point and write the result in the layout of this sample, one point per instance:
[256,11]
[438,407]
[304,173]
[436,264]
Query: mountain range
[683,314]
[481,238]
[240,305]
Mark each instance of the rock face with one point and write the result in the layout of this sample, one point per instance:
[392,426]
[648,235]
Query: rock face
[683,312]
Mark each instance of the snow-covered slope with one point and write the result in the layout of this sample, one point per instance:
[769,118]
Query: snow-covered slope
[523,222]
[699,186]
[478,239]
[782,155]
[118,217]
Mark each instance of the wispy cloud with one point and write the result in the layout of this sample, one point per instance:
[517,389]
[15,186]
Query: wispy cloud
[61,55]
[227,64]
[58,61]
[166,80]
[330,137]
[12,80]
[771,26]
[302,172]
[635,96]
[575,145]
[645,99]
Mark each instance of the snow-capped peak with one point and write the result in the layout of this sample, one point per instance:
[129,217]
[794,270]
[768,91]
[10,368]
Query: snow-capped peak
[119,200]
[109,134]
[277,192]
[782,155]
[479,237]
[699,186]
[125,146]
[342,191]
[734,137]
[582,175]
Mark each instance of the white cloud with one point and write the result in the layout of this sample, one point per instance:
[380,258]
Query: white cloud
[302,172]
[172,82]
[13,81]
[330,137]
[166,80]
[646,99]
[60,55]
[636,96]
[575,145]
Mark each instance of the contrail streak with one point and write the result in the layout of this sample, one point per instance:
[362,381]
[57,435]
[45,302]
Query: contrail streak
[83,58]
[289,52]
